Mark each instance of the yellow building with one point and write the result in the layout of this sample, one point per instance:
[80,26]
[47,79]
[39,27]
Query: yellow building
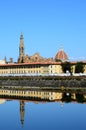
[34,68]
[36,64]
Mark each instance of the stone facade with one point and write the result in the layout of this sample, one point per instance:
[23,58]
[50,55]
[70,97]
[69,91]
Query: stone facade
[36,58]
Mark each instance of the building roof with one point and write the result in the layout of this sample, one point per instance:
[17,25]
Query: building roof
[61,55]
[36,63]
[30,63]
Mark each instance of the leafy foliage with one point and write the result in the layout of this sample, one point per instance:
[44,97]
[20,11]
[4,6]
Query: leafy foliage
[66,66]
[79,67]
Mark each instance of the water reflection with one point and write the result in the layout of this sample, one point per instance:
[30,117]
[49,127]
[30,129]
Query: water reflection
[77,95]
[41,96]
[22,111]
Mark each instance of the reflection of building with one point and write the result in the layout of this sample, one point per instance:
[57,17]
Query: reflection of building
[34,95]
[2,101]
[41,96]
[22,111]
[38,95]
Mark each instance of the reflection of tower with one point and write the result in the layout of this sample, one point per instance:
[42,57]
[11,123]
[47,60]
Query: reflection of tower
[22,111]
[62,104]
[21,49]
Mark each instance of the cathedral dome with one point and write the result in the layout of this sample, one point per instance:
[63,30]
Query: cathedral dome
[61,55]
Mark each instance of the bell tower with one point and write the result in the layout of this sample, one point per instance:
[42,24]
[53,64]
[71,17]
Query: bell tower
[21,49]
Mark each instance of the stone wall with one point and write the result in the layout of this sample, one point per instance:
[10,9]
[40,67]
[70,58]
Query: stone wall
[44,81]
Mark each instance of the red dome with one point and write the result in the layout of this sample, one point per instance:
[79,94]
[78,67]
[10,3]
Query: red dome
[61,55]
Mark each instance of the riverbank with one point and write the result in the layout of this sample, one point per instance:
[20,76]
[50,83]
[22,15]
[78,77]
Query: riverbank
[44,81]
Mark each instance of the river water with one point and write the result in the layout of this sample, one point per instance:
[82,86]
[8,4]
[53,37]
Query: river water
[49,111]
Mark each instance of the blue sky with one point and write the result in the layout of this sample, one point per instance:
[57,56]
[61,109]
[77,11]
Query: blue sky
[45,25]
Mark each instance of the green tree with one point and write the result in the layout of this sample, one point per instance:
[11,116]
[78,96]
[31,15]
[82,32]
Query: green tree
[66,66]
[79,67]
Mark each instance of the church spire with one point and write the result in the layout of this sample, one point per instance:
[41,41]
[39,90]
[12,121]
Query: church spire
[21,49]
[21,36]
